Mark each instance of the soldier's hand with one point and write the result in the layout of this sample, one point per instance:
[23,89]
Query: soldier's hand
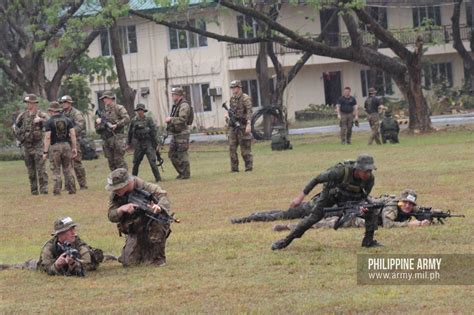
[363,210]
[74,153]
[70,261]
[98,121]
[425,222]
[248,129]
[37,120]
[61,261]
[127,208]
[167,120]
[356,123]
[114,126]
[45,156]
[154,207]
[297,201]
[339,116]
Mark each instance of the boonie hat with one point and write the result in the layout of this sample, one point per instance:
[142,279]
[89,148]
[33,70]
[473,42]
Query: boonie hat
[409,195]
[117,179]
[66,98]
[62,225]
[141,107]
[107,94]
[55,107]
[30,98]
[365,163]
[235,83]
[177,91]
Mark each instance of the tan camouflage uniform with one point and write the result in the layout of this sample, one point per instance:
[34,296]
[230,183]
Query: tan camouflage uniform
[51,252]
[242,105]
[113,142]
[146,238]
[180,133]
[80,126]
[32,142]
[371,105]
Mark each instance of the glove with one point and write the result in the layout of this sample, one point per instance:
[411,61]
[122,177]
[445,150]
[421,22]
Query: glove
[356,123]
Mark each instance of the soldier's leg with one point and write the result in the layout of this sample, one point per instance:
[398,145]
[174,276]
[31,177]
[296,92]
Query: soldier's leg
[342,125]
[183,156]
[55,165]
[233,144]
[41,169]
[349,122]
[131,251]
[79,168]
[151,156]
[384,139]
[107,147]
[66,160]
[395,137]
[157,235]
[172,155]
[246,151]
[138,155]
[371,222]
[30,168]
[119,153]
[374,126]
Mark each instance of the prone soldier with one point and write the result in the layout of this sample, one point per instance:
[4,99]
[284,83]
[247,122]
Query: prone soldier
[66,254]
[110,125]
[146,237]
[80,127]
[61,136]
[241,104]
[143,131]
[29,126]
[180,119]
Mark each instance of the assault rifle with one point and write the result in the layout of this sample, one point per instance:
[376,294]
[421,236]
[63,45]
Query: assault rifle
[426,213]
[142,199]
[73,253]
[349,210]
[234,122]
[104,122]
[158,147]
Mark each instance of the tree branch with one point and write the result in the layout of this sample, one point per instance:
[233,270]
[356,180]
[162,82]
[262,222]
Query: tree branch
[457,41]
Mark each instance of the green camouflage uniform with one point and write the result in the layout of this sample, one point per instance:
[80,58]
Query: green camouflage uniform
[180,132]
[31,137]
[80,126]
[389,129]
[51,252]
[242,106]
[372,108]
[113,142]
[339,186]
[146,238]
[143,132]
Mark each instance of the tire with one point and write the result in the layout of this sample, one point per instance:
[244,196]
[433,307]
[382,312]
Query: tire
[277,122]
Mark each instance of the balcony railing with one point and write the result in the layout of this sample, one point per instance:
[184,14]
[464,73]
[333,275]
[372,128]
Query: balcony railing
[437,35]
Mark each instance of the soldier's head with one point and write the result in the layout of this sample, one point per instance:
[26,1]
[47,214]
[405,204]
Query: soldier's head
[65,230]
[364,166]
[407,200]
[66,102]
[120,182]
[372,91]
[55,108]
[107,97]
[347,91]
[177,94]
[31,101]
[236,87]
[140,109]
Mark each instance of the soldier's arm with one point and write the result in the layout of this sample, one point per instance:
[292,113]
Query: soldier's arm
[355,110]
[47,260]
[369,185]
[86,258]
[333,174]
[389,214]
[123,118]
[47,141]
[19,120]
[184,110]
[79,123]
[159,193]
[248,108]
[113,214]
[130,132]
[153,133]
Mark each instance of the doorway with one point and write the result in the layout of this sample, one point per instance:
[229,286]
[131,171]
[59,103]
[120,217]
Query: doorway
[332,86]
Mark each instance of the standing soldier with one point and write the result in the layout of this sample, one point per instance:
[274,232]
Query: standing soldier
[389,128]
[372,105]
[61,135]
[30,134]
[347,113]
[80,126]
[180,119]
[344,182]
[110,125]
[143,130]
[241,106]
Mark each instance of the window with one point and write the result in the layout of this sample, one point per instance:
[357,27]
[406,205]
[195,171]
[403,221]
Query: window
[383,83]
[423,13]
[469,13]
[246,27]
[127,40]
[198,96]
[438,73]
[252,89]
[380,15]
[184,39]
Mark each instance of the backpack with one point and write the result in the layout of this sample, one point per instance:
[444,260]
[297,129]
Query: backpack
[280,141]
[190,120]
[88,149]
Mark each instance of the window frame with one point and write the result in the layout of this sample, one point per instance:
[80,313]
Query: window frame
[124,33]
[189,39]
[190,93]
[386,87]
[435,10]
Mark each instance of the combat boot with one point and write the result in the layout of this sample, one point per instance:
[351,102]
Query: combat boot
[369,241]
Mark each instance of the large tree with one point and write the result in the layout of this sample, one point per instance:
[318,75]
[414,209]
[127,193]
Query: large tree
[467,56]
[36,32]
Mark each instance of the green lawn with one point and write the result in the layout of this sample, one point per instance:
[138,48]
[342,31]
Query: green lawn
[216,267]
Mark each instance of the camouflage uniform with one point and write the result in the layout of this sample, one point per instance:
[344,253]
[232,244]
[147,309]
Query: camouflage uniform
[51,252]
[60,154]
[113,142]
[242,106]
[143,132]
[372,108]
[179,130]
[146,238]
[389,128]
[80,126]
[340,186]
[31,137]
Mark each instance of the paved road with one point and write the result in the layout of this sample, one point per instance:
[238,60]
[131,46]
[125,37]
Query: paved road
[438,121]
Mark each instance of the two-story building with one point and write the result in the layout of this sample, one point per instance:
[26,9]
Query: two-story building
[157,58]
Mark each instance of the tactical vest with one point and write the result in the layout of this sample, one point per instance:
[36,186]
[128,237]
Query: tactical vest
[389,124]
[237,104]
[370,105]
[30,132]
[72,115]
[141,130]
[348,189]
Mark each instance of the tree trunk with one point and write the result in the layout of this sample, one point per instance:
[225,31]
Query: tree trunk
[127,92]
[264,83]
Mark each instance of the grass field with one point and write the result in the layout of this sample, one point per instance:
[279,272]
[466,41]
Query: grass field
[216,267]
